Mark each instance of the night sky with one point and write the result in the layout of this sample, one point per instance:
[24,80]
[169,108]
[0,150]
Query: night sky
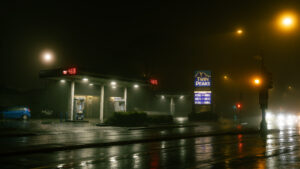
[168,40]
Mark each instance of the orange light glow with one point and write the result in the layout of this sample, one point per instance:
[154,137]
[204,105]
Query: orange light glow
[257,81]
[287,21]
[239,31]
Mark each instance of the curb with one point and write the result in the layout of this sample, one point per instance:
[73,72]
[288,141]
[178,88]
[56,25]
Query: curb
[162,127]
[18,135]
[77,121]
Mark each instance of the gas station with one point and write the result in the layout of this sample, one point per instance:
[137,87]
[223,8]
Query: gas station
[81,94]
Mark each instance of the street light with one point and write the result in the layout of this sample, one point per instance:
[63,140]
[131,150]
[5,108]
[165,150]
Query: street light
[239,31]
[287,21]
[47,57]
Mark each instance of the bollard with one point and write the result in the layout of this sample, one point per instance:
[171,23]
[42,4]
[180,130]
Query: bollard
[66,116]
[60,116]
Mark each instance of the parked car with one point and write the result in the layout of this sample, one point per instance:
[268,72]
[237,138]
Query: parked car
[16,113]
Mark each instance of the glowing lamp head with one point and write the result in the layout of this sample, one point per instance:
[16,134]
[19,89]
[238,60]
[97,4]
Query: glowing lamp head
[47,57]
[85,79]
[287,21]
[239,32]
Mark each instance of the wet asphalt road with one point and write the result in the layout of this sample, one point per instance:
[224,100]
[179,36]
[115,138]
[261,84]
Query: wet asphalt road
[70,134]
[275,150]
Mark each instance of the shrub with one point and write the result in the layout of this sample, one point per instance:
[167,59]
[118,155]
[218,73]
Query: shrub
[128,119]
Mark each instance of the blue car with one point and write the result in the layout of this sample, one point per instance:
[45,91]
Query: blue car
[16,113]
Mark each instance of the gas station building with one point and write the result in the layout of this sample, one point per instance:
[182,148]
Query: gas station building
[77,93]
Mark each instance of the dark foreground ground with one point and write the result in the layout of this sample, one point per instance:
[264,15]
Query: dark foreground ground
[278,149]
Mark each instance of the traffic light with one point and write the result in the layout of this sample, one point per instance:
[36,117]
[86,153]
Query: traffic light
[153,82]
[269,80]
[238,105]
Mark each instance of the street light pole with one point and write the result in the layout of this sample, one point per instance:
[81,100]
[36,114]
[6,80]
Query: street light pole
[286,22]
[263,101]
[264,95]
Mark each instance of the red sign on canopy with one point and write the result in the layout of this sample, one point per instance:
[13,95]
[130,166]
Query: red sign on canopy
[70,71]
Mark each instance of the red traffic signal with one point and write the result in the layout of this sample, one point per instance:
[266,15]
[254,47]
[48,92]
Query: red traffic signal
[238,105]
[154,82]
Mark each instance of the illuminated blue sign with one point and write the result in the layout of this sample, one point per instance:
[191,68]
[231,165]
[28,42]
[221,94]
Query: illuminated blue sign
[202,97]
[202,78]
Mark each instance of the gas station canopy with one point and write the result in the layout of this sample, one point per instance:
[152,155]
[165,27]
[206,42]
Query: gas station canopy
[74,74]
